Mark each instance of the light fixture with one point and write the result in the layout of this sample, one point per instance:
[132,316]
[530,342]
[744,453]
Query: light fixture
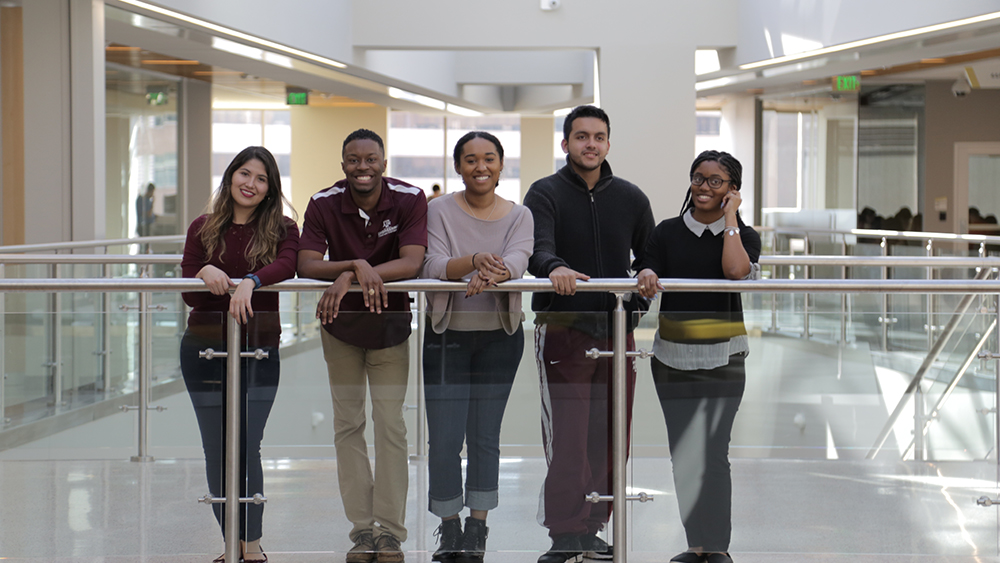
[175,62]
[872,41]
[233,33]
[416,98]
[459,110]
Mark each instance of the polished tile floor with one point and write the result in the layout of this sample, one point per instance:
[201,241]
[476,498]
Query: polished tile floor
[784,511]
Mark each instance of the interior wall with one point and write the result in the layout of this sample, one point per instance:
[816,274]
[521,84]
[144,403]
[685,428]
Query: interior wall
[12,123]
[537,150]
[318,135]
[47,155]
[950,120]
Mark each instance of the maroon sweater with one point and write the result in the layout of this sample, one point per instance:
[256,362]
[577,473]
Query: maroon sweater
[209,312]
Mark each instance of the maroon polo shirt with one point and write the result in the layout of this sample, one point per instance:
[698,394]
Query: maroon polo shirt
[334,222]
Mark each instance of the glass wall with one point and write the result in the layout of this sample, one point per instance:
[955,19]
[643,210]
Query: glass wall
[142,148]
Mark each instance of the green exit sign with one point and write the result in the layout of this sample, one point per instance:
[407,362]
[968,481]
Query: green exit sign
[846,83]
[298,98]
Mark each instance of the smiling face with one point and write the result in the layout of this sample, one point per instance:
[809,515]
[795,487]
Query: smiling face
[480,166]
[249,187]
[588,144]
[706,198]
[363,165]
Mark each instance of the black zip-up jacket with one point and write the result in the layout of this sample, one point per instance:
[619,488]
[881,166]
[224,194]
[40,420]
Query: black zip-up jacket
[592,232]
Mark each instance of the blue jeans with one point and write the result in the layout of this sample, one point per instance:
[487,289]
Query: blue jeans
[467,380]
[206,384]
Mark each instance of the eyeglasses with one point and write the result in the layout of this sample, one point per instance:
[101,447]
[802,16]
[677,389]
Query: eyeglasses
[714,182]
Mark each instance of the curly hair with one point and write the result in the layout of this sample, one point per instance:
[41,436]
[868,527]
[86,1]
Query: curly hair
[728,163]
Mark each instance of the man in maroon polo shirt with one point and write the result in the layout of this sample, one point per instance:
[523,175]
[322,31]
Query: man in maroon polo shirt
[375,229]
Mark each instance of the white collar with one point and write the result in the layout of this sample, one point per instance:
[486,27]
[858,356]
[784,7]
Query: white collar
[698,228]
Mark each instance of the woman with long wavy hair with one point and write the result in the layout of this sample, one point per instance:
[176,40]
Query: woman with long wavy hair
[244,235]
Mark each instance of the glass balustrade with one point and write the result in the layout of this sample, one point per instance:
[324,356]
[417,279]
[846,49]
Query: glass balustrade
[814,406]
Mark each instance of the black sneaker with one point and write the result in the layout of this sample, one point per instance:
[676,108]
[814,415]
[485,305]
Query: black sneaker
[565,549]
[449,535]
[473,541]
[596,548]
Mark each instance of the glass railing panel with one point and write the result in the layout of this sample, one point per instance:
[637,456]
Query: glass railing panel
[58,401]
[809,415]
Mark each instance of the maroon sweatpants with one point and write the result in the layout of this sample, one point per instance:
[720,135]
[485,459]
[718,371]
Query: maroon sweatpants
[576,427]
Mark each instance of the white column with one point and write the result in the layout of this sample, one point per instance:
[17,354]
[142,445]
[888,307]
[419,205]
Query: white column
[87,115]
[537,149]
[47,144]
[737,132]
[648,92]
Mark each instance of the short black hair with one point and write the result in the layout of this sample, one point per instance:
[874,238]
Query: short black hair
[476,135]
[363,134]
[585,111]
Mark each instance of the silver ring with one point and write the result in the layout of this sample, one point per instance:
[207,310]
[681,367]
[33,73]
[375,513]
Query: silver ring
[371,291]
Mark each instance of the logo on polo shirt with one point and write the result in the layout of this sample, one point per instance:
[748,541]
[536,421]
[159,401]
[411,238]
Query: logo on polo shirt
[387,228]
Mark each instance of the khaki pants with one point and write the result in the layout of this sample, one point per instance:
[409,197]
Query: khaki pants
[380,499]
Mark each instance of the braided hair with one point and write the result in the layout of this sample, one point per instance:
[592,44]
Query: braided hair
[728,163]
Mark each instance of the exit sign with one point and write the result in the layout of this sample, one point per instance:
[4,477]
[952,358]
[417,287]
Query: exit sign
[846,83]
[298,98]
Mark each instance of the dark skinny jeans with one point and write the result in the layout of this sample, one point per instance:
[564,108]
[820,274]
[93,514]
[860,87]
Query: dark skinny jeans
[206,385]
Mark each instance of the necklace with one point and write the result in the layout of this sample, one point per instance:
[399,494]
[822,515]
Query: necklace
[496,200]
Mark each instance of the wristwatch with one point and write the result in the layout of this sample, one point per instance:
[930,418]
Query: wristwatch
[256,280]
[731,231]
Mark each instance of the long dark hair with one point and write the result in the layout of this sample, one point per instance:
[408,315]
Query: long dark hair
[728,163]
[269,214]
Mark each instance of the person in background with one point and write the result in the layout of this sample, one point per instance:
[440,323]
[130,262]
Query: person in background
[245,235]
[701,346]
[435,192]
[472,345]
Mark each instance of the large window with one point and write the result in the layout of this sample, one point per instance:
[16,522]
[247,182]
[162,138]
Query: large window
[235,130]
[420,149]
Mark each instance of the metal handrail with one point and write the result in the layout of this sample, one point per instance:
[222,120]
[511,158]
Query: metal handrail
[765,260]
[46,285]
[104,243]
[886,233]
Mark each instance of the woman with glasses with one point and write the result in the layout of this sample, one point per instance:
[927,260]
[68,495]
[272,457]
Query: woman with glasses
[244,235]
[473,343]
[701,345]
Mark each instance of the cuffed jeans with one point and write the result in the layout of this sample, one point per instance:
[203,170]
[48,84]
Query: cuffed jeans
[467,381]
[206,384]
[378,499]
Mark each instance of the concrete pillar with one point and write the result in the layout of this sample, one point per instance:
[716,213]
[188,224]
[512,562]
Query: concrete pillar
[652,117]
[12,124]
[194,151]
[738,115]
[87,109]
[318,135]
[537,149]
[47,150]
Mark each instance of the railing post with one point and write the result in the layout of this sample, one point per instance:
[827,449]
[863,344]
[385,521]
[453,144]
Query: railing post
[3,351]
[233,406]
[996,380]
[421,450]
[56,345]
[885,301]
[805,297]
[619,431]
[106,334]
[930,297]
[843,296]
[918,424]
[144,378]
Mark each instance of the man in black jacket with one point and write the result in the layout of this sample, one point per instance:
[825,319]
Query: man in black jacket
[587,221]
